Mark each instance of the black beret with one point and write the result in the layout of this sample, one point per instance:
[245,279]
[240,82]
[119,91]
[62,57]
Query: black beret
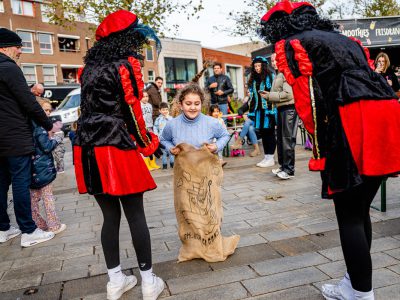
[9,38]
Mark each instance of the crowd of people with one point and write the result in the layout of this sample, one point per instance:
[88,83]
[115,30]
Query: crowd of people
[347,106]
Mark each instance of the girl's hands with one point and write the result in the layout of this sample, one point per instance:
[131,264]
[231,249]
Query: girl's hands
[212,147]
[175,150]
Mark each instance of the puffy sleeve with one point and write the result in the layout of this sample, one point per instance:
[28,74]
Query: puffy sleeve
[293,61]
[132,85]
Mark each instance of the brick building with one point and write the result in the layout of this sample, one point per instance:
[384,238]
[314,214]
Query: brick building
[234,65]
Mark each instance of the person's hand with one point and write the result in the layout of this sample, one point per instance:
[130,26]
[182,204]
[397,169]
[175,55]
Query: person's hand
[174,150]
[245,117]
[158,153]
[212,147]
[389,82]
[379,68]
[213,85]
[57,126]
[264,95]
[219,93]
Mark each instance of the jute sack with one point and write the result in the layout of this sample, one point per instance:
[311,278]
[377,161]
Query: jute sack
[197,196]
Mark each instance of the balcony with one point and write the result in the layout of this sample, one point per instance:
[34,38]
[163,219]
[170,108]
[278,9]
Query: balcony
[68,43]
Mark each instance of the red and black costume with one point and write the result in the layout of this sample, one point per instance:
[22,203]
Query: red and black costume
[111,133]
[350,111]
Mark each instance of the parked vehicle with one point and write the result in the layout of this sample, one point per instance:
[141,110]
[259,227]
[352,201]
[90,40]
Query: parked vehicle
[68,110]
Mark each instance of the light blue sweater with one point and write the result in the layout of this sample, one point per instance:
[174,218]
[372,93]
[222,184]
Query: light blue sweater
[202,129]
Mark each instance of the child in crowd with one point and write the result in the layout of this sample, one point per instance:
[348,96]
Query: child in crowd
[192,126]
[43,174]
[215,112]
[159,126]
[147,111]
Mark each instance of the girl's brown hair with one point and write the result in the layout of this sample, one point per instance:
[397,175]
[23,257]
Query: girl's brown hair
[191,88]
[387,60]
[43,101]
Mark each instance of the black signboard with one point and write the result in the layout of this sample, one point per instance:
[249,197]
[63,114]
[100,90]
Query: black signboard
[373,32]
[58,92]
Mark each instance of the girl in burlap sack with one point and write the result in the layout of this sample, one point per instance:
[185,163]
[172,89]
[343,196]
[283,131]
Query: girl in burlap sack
[194,139]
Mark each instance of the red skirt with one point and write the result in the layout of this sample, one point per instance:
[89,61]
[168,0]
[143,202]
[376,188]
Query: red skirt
[372,128]
[112,171]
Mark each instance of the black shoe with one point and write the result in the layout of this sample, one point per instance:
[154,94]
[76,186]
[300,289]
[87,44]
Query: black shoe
[172,165]
[164,167]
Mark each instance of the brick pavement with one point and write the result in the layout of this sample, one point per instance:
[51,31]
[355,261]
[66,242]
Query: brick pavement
[289,243]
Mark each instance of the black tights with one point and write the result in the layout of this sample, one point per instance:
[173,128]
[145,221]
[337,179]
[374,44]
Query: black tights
[352,212]
[268,140]
[134,212]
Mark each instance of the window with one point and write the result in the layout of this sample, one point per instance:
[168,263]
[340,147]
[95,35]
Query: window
[70,74]
[49,75]
[24,8]
[27,42]
[1,6]
[45,43]
[179,70]
[150,75]
[149,53]
[30,74]
[45,11]
[68,44]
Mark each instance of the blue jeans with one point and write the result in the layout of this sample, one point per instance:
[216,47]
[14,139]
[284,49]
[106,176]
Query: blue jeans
[248,128]
[16,170]
[164,157]
[223,108]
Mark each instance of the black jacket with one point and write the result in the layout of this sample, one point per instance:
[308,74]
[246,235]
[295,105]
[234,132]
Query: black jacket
[17,106]
[224,84]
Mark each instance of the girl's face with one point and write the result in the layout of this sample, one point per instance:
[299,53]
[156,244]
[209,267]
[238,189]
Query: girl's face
[215,113]
[382,61]
[47,108]
[258,67]
[145,98]
[191,106]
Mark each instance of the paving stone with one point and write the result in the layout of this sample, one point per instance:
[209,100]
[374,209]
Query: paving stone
[5,265]
[320,227]
[395,268]
[209,279]
[231,291]
[66,274]
[288,263]
[45,292]
[284,280]
[384,277]
[82,261]
[16,284]
[388,292]
[86,286]
[294,246]
[287,233]
[387,228]
[305,292]
[50,250]
[325,240]
[172,269]
[246,256]
[32,270]
[250,240]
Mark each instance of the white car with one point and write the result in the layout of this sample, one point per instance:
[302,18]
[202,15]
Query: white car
[68,110]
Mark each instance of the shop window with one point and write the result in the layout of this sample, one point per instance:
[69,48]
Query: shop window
[24,8]
[149,53]
[150,75]
[27,41]
[49,75]
[30,74]
[45,42]
[68,44]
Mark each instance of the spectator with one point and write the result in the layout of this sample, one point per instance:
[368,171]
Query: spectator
[382,64]
[281,95]
[154,91]
[220,87]
[18,107]
[215,112]
[37,89]
[159,126]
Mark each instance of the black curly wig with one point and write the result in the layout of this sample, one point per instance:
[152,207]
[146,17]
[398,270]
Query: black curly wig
[116,46]
[281,26]
[265,71]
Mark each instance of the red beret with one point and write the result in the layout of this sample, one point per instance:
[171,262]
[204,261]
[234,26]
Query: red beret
[115,22]
[284,6]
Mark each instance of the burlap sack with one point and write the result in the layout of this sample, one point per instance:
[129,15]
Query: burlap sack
[197,195]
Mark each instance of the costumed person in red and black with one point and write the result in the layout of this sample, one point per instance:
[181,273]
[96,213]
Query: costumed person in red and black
[110,138]
[349,110]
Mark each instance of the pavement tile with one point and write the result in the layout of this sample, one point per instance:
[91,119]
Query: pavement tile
[281,281]
[233,291]
[84,286]
[294,246]
[388,292]
[173,269]
[205,280]
[325,240]
[32,270]
[286,233]
[66,274]
[384,277]
[16,284]
[82,261]
[395,268]
[45,292]
[305,292]
[251,240]
[320,227]
[288,263]
[5,265]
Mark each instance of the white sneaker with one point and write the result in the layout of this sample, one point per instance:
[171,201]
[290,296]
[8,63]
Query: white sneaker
[341,291]
[9,234]
[284,175]
[115,291]
[36,237]
[276,171]
[265,163]
[61,229]
[151,291]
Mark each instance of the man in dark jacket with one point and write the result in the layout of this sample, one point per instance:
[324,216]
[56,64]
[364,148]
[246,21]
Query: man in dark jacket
[154,92]
[220,87]
[18,107]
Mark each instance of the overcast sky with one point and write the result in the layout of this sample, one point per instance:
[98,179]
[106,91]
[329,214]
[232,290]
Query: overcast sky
[215,13]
